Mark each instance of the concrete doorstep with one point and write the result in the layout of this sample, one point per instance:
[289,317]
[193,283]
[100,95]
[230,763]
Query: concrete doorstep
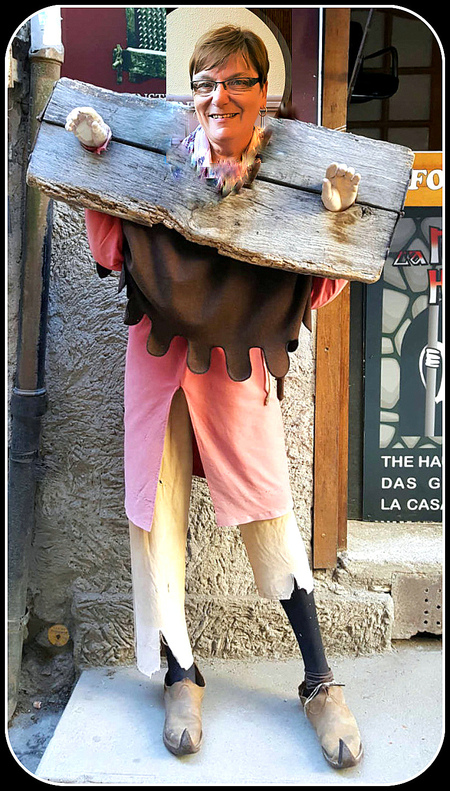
[255,732]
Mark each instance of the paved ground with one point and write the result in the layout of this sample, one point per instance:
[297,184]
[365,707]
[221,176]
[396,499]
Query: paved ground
[255,731]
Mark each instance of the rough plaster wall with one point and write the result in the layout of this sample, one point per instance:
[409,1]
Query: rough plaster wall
[80,541]
[80,571]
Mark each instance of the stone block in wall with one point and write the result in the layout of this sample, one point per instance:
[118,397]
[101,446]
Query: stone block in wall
[103,629]
[226,627]
[355,623]
[240,627]
[237,628]
[417,600]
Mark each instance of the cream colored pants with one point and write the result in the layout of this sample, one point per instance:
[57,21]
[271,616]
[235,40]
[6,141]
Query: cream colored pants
[274,547]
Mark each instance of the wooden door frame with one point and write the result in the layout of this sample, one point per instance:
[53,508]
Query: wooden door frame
[332,338]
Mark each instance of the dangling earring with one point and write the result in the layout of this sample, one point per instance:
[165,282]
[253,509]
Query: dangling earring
[262,114]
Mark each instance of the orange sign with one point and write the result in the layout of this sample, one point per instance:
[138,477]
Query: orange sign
[425,188]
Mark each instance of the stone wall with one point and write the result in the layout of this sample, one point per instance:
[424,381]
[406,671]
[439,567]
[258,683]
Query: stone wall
[80,574]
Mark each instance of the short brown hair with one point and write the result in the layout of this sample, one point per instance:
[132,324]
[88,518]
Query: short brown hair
[218,44]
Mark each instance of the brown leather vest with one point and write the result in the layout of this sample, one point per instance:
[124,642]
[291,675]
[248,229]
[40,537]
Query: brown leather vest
[191,290]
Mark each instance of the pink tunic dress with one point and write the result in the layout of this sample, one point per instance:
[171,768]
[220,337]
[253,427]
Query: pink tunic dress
[237,425]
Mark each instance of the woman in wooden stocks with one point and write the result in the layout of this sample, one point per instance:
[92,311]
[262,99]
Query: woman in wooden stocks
[205,331]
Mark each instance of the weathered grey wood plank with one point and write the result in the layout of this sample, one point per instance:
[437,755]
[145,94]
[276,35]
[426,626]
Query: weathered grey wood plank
[298,154]
[280,222]
[269,225]
[133,119]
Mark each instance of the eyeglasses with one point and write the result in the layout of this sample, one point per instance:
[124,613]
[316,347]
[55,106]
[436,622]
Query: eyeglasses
[235,85]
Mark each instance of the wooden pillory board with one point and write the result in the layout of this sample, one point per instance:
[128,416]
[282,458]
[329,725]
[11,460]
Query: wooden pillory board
[280,222]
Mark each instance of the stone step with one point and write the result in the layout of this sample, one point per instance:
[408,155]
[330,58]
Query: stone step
[254,729]
[353,621]
[403,560]
[378,592]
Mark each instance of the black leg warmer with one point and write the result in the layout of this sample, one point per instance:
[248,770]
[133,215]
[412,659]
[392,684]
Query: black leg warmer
[302,614]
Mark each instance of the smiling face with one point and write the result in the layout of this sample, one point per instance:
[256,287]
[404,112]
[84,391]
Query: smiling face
[228,119]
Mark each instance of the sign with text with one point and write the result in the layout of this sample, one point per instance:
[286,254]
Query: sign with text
[404,359]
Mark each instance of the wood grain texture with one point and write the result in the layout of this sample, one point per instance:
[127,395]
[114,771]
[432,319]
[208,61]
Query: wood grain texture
[332,340]
[134,119]
[298,155]
[280,222]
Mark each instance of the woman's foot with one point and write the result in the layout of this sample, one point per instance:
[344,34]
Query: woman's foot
[334,724]
[182,733]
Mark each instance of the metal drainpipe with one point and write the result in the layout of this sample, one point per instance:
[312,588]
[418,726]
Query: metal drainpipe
[29,400]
